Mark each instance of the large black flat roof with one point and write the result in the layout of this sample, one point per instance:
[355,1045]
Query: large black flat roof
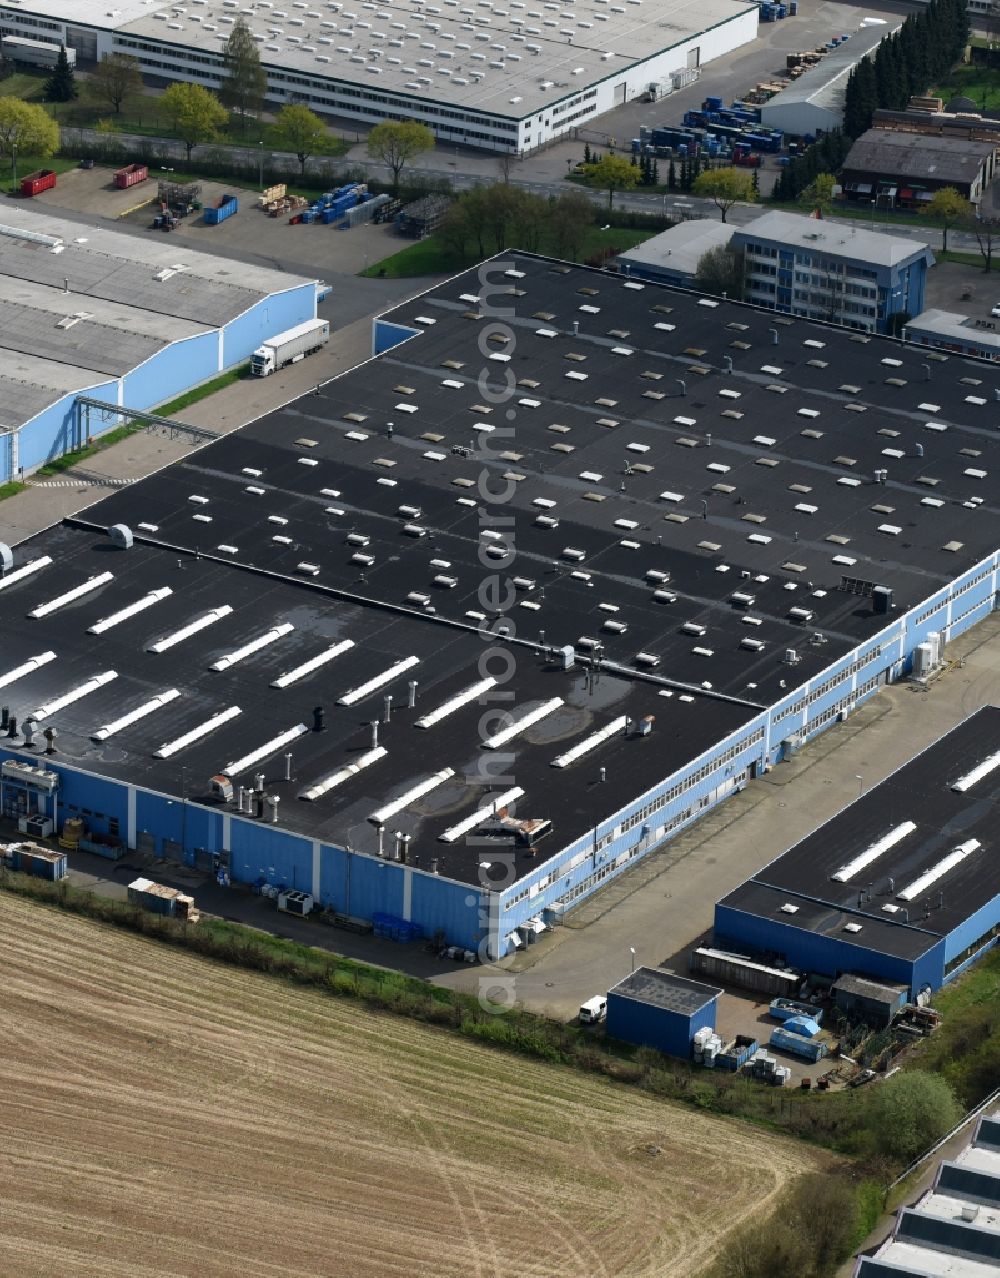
[445,662]
[666,990]
[906,863]
[651,488]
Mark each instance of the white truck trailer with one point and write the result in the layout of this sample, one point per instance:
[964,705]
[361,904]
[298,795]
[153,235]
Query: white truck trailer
[289,347]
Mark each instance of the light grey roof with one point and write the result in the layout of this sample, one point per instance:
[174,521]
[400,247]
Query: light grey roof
[124,268]
[681,248]
[917,156]
[834,239]
[576,46]
[823,84]
[940,323]
[77,341]
[862,987]
[28,385]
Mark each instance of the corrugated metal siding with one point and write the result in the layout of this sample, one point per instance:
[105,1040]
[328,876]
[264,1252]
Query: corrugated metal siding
[667,1031]
[172,371]
[270,316]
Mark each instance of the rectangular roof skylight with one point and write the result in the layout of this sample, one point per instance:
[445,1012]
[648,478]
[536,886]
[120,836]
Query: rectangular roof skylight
[344,774]
[497,802]
[314,663]
[26,668]
[133,716]
[874,851]
[522,724]
[925,881]
[170,748]
[265,750]
[75,694]
[455,703]
[192,628]
[255,645]
[379,681]
[411,796]
[123,614]
[590,743]
[978,773]
[85,588]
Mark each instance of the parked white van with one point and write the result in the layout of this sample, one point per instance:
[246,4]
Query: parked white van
[594,1010]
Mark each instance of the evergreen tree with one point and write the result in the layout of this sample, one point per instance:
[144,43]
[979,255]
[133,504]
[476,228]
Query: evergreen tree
[243,89]
[61,84]
[586,153]
[756,181]
[861,99]
[671,176]
[656,172]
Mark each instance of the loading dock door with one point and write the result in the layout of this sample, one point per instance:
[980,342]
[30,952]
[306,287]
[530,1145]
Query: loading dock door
[620,93]
[694,57]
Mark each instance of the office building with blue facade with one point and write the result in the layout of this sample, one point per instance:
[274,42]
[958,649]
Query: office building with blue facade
[902,885]
[831,272]
[118,319]
[466,632]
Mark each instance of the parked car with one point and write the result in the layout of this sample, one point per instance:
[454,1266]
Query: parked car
[995,312]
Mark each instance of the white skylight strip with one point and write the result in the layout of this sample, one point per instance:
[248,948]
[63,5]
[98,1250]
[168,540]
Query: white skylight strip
[497,802]
[255,645]
[874,851]
[140,605]
[133,716]
[411,796]
[522,724]
[462,699]
[29,666]
[590,743]
[262,752]
[344,774]
[358,694]
[314,663]
[940,870]
[92,583]
[203,729]
[977,774]
[75,694]
[192,628]
[19,574]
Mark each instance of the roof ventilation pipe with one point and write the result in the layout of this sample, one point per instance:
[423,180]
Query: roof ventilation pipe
[404,848]
[919,449]
[398,849]
[729,363]
[12,726]
[683,385]
[50,735]
[288,765]
[774,336]
[65,283]
[319,714]
[576,328]
[434,865]
[4,718]
[604,774]
[927,372]
[996,392]
[28,731]
[380,831]
[241,794]
[374,727]
[387,708]
[272,802]
[412,701]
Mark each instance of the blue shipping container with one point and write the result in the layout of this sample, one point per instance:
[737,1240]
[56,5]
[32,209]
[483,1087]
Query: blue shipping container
[227,206]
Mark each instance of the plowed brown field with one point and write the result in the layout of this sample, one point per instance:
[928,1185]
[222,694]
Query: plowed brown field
[161,1115]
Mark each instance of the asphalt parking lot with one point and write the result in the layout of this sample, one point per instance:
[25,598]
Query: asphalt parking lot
[250,234]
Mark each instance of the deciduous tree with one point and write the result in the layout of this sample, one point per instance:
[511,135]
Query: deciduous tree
[947,206]
[26,129]
[196,114]
[611,173]
[243,89]
[909,1112]
[720,271]
[725,187]
[301,131]
[819,193]
[115,78]
[396,143]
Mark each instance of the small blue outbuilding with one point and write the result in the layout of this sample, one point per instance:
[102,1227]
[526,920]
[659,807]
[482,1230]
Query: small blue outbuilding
[656,1008]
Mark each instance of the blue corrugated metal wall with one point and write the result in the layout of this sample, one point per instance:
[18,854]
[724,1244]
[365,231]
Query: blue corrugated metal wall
[272,315]
[386,335]
[828,955]
[633,1021]
[54,431]
[172,371]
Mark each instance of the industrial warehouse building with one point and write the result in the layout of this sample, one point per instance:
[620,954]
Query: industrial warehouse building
[952,331]
[904,169]
[953,1229]
[903,885]
[695,533]
[501,75]
[814,103]
[107,316]
[657,1008]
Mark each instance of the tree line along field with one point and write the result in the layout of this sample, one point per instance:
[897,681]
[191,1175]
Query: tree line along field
[164,1114]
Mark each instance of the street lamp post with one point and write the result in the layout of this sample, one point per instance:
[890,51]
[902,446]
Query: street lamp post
[260,159]
[631,950]
[13,164]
